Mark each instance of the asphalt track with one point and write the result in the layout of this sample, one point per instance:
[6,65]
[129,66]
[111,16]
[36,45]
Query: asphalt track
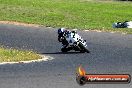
[110,53]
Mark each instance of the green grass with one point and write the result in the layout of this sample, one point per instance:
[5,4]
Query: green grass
[80,14]
[13,55]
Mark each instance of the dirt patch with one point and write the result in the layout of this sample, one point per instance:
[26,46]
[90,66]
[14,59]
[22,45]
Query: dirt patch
[19,23]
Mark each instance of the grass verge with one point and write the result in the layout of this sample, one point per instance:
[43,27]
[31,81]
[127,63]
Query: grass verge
[80,14]
[13,55]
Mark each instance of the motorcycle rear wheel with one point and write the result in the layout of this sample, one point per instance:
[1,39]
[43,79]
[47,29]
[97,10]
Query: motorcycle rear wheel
[64,50]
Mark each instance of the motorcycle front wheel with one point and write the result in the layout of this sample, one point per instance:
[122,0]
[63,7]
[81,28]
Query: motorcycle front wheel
[83,49]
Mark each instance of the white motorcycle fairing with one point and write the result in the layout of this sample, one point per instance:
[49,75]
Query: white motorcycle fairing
[74,38]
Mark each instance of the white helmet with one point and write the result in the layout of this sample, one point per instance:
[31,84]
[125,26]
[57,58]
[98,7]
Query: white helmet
[61,30]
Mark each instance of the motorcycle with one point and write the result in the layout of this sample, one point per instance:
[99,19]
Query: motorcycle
[126,24]
[75,42]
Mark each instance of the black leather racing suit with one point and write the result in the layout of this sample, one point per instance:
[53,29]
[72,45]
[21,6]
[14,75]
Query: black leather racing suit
[62,39]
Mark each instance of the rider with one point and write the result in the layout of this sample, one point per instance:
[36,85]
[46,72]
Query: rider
[61,38]
[61,33]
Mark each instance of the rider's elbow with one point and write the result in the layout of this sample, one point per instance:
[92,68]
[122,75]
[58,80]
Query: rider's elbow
[73,31]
